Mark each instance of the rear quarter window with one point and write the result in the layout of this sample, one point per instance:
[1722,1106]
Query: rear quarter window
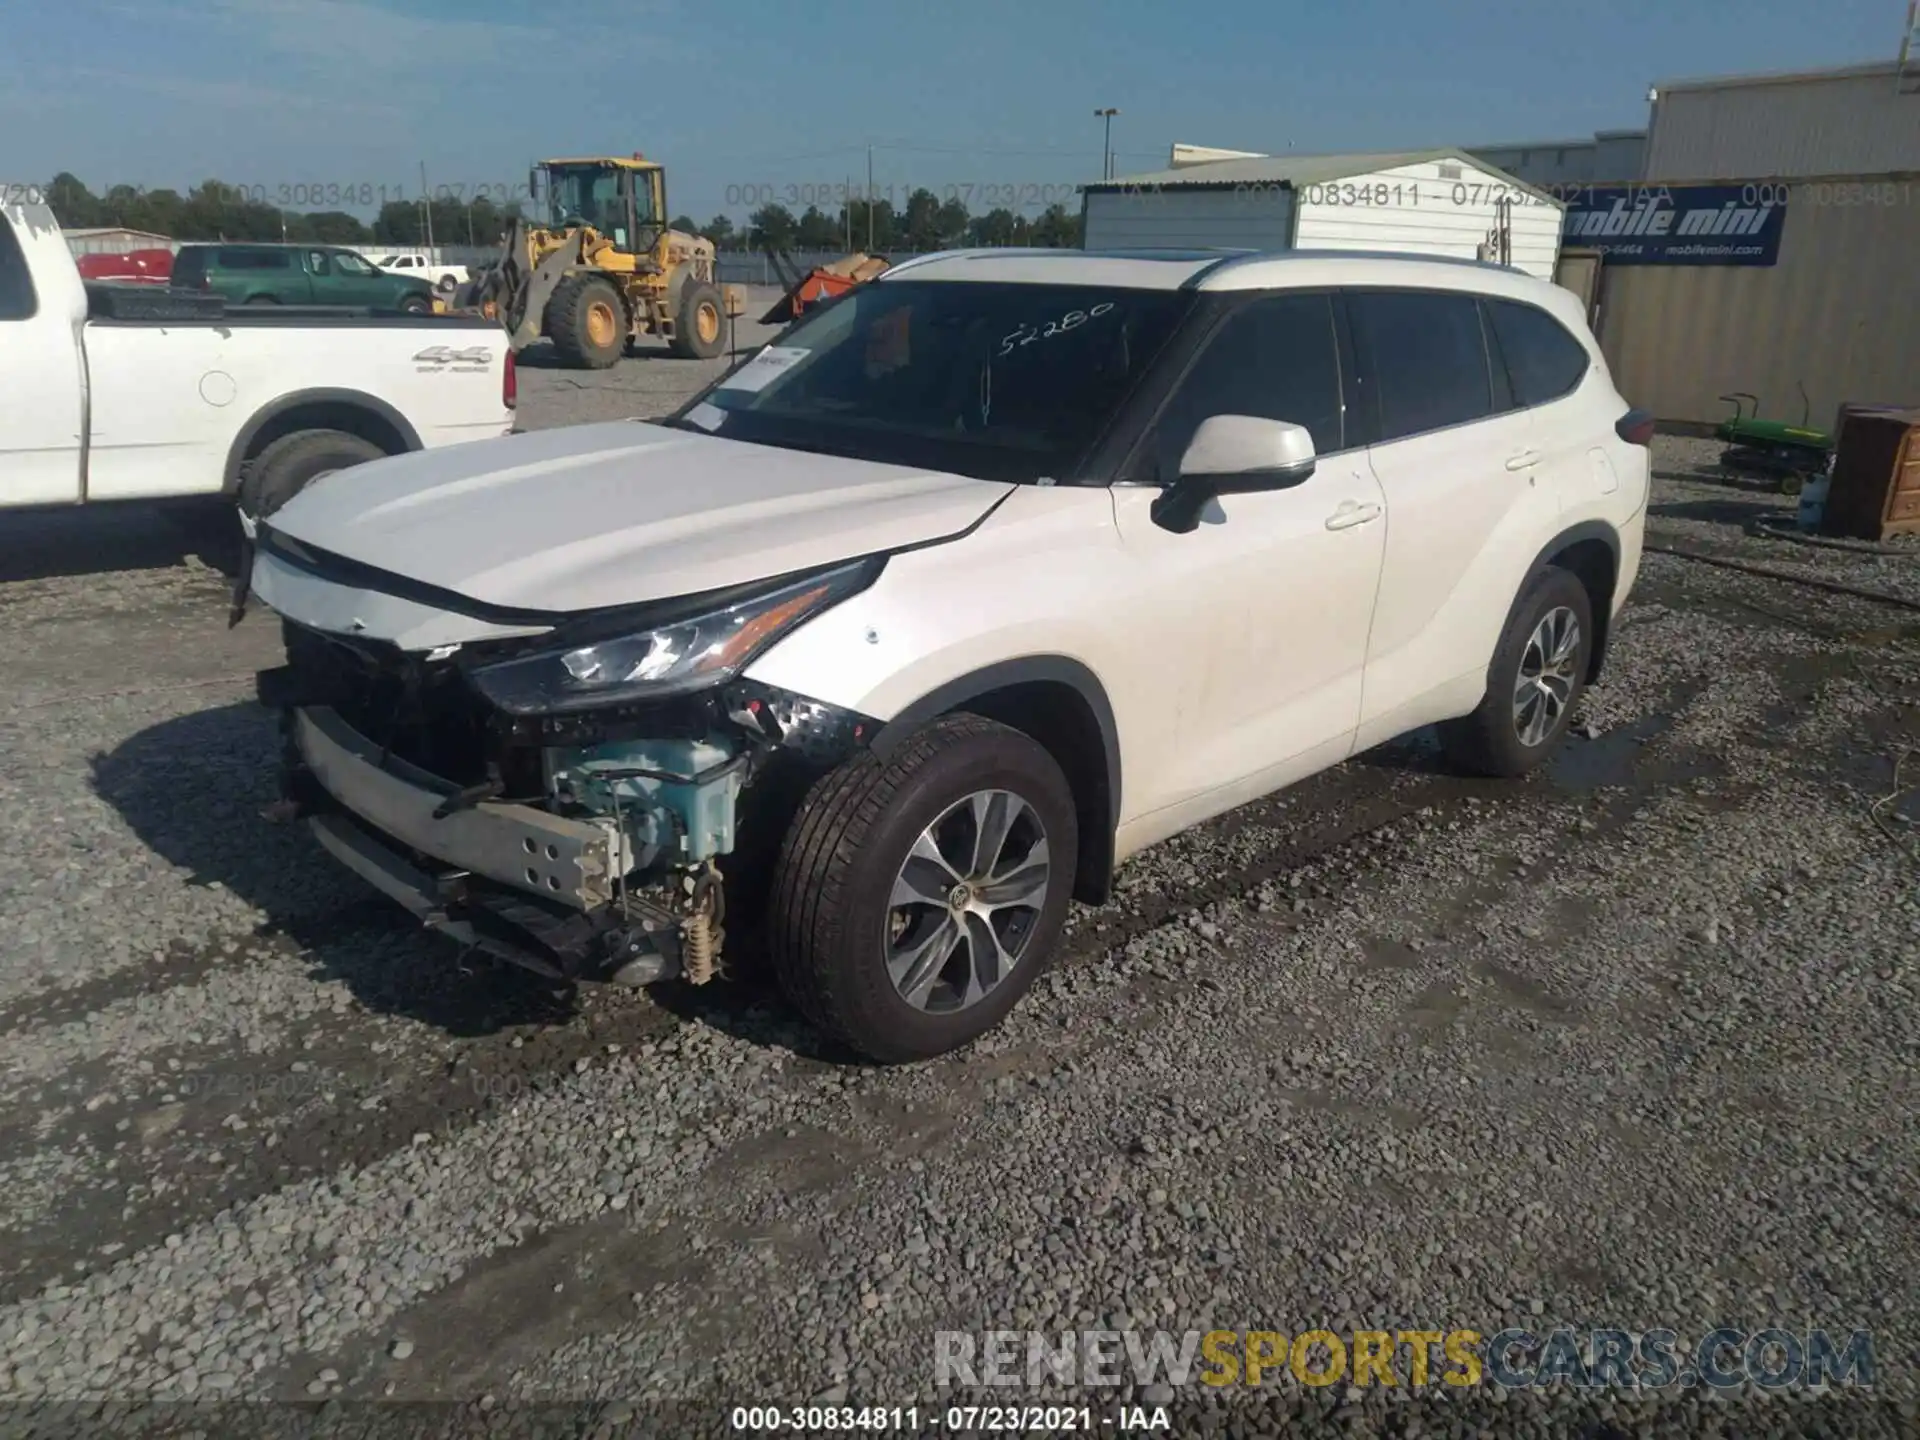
[1543,361]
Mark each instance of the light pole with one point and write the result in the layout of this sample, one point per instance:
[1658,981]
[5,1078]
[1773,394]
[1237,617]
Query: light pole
[1106,145]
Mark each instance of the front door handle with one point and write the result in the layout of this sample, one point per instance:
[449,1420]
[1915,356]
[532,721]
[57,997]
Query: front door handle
[1525,460]
[1352,513]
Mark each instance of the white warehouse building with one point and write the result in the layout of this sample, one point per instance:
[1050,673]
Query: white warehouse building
[1425,202]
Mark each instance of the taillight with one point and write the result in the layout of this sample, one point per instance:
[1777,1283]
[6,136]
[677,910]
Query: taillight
[510,381]
[1635,427]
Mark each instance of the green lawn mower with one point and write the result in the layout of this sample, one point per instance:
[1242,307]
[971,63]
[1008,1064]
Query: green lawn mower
[1789,455]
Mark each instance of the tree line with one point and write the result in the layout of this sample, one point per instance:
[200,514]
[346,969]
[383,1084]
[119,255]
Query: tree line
[214,210]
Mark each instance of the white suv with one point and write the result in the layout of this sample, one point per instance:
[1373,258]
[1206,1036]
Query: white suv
[920,620]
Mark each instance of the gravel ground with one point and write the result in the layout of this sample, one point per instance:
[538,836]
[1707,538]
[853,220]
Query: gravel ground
[1627,1044]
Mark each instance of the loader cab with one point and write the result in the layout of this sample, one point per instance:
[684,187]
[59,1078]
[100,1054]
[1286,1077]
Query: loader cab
[622,199]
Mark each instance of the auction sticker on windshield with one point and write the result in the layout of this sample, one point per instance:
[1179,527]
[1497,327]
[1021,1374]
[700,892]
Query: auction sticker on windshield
[765,368]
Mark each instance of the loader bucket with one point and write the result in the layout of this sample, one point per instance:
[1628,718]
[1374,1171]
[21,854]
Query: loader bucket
[519,296]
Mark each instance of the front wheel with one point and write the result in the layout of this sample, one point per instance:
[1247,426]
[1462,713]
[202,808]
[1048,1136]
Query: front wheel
[1539,670]
[916,899]
[416,305]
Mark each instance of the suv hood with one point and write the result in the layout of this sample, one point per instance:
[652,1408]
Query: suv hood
[620,513]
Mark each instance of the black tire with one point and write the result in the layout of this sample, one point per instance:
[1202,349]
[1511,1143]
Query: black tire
[828,913]
[700,324]
[446,284]
[1489,741]
[415,305]
[569,322]
[289,464]
[262,300]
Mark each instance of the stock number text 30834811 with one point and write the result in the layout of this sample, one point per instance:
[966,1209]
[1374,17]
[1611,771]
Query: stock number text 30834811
[368,194]
[827,195]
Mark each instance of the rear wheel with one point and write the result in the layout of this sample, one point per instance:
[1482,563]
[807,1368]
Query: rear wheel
[916,899]
[700,323]
[291,463]
[587,322]
[1539,670]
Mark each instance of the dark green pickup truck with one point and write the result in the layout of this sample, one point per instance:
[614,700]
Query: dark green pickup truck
[297,275]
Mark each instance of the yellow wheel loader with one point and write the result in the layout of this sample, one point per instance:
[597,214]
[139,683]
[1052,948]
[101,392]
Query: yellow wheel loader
[602,267]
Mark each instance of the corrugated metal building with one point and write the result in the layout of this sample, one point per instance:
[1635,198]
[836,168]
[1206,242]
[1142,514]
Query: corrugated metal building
[1835,312]
[1609,157]
[115,240]
[1857,121]
[1426,202]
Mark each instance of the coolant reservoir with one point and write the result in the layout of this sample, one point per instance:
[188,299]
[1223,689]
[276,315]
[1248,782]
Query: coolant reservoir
[694,815]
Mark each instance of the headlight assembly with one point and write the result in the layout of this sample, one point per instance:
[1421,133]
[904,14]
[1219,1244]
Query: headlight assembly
[671,658]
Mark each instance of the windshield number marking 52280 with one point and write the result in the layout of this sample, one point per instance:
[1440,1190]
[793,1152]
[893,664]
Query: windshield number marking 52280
[1027,334]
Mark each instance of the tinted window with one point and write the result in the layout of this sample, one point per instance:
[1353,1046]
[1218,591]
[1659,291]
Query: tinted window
[1275,358]
[1543,361]
[253,259]
[1427,357]
[189,266]
[16,283]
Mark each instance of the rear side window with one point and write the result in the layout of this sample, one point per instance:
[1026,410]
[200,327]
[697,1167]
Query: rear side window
[1542,360]
[1427,356]
[17,301]
[254,260]
[1274,357]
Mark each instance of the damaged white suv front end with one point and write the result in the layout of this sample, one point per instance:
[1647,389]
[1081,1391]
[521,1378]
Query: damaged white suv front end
[558,787]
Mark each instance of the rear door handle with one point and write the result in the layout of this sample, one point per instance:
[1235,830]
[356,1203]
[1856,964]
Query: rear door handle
[1525,460]
[1352,513]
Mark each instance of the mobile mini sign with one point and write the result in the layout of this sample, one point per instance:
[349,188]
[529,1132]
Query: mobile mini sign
[1678,224]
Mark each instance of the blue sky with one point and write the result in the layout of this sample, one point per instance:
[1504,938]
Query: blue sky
[752,96]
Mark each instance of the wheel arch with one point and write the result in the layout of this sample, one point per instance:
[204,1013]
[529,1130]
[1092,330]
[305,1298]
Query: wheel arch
[354,411]
[1591,551]
[1060,704]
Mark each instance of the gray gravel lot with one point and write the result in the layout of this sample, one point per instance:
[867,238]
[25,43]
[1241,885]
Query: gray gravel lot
[1628,1044]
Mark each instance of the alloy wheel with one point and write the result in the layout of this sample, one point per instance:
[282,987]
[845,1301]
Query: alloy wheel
[1544,687]
[966,901]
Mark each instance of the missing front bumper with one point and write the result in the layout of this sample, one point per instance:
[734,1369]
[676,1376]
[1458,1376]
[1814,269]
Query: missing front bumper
[571,862]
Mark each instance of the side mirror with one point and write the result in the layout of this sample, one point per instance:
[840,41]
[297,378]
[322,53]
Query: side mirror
[1233,455]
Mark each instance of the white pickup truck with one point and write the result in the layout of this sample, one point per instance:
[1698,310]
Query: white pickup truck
[133,393]
[423,266]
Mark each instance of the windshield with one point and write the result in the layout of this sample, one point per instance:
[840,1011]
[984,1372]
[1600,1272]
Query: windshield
[1009,382]
[589,195]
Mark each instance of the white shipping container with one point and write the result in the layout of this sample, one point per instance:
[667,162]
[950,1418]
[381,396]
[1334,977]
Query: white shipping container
[1439,202]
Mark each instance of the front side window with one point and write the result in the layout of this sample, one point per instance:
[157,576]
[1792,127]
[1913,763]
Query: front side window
[1427,356]
[588,197]
[17,300]
[1013,382]
[348,264]
[1275,358]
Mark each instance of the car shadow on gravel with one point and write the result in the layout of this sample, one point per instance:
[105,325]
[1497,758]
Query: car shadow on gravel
[42,544]
[193,790]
